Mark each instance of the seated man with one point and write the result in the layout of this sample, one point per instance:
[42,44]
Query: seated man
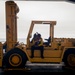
[37,44]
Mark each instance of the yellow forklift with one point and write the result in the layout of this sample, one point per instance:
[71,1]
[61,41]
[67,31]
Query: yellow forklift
[17,54]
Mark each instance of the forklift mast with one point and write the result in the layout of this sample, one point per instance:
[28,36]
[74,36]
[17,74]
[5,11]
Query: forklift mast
[11,24]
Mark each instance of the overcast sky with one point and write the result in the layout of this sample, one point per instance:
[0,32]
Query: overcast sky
[60,11]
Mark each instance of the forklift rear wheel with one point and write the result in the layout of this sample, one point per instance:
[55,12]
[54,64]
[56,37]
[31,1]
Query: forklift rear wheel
[69,58]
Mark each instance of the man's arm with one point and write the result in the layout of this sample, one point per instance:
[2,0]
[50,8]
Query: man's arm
[41,42]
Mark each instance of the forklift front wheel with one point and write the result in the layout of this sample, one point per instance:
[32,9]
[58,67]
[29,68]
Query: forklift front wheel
[15,58]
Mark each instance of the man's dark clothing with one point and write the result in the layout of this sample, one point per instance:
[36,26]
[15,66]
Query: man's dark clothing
[41,48]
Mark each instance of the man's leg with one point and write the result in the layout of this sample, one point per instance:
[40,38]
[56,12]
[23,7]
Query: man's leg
[32,51]
[41,51]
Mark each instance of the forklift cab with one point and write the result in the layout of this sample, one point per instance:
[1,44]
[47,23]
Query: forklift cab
[50,54]
[51,31]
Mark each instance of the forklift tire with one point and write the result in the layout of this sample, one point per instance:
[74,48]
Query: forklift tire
[69,58]
[14,58]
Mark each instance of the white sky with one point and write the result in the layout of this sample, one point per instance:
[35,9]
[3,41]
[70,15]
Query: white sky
[60,11]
